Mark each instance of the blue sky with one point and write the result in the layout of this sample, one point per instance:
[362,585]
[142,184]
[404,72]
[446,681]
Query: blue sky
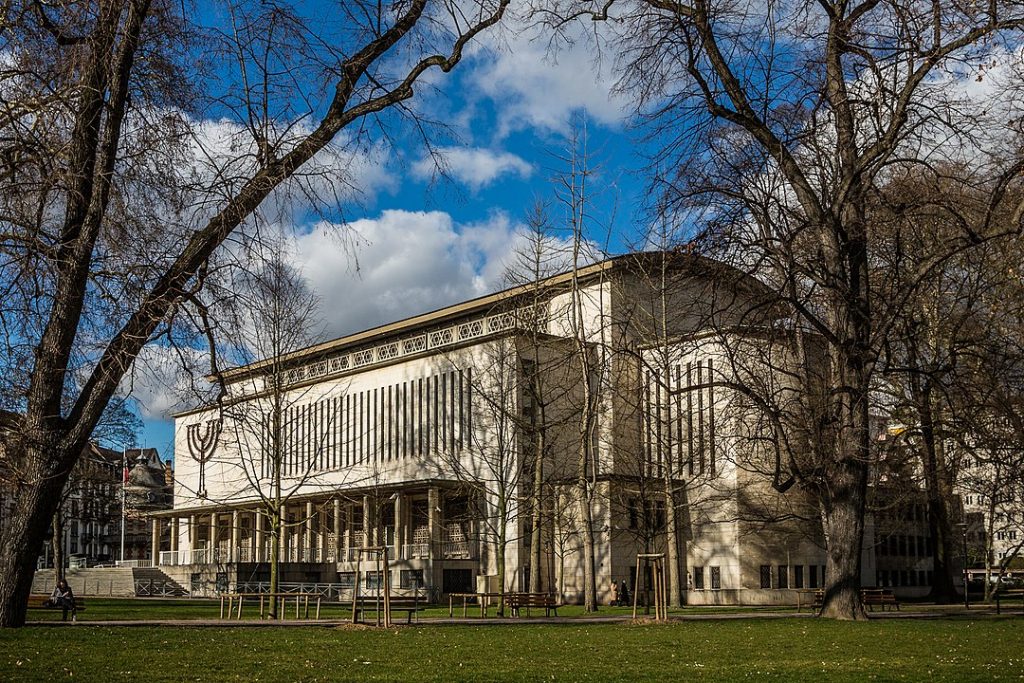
[416,242]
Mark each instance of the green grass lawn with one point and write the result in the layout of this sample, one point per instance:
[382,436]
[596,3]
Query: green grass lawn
[783,649]
[114,609]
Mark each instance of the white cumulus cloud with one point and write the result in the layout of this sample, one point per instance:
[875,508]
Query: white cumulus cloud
[533,85]
[401,263]
[475,167]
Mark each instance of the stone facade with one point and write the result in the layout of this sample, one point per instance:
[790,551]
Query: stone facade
[418,437]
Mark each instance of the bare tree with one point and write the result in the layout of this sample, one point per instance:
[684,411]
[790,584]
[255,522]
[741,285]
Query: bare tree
[782,130]
[108,224]
[539,257]
[572,194]
[270,315]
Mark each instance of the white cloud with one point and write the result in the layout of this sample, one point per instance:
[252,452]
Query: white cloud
[401,263]
[223,157]
[163,380]
[475,167]
[534,86]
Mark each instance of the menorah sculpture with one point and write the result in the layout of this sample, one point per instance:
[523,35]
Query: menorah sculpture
[201,440]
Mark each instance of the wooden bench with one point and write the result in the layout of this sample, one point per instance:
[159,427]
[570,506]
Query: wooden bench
[399,603]
[43,602]
[1008,594]
[883,597]
[517,601]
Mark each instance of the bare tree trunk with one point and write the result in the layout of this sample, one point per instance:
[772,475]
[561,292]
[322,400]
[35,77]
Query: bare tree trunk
[275,560]
[937,489]
[58,544]
[537,521]
[843,522]
[587,525]
[675,588]
[34,507]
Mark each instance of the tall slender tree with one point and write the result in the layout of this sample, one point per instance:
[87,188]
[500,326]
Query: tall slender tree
[115,197]
[782,130]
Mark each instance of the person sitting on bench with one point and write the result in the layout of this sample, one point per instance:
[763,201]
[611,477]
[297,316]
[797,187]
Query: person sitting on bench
[63,597]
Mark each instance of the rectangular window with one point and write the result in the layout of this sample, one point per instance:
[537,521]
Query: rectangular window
[411,578]
[812,574]
[689,418]
[766,576]
[700,417]
[374,580]
[469,406]
[418,421]
[716,578]
[783,581]
[451,415]
[443,420]
[798,576]
[698,578]
[711,419]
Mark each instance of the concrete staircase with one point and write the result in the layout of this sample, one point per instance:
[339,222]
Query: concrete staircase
[115,582]
[151,582]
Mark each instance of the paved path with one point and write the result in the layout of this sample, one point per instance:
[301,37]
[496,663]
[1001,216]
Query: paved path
[909,612]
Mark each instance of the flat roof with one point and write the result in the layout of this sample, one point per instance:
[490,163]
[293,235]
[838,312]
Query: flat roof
[480,303]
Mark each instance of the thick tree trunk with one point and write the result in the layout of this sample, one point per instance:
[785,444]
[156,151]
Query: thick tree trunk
[938,491]
[843,508]
[35,504]
[938,488]
[675,588]
[58,544]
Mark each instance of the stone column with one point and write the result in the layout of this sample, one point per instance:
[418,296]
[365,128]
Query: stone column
[154,543]
[349,514]
[236,534]
[368,524]
[434,518]
[193,536]
[283,535]
[325,537]
[399,528]
[257,525]
[211,545]
[337,529]
[435,552]
[308,543]
[175,529]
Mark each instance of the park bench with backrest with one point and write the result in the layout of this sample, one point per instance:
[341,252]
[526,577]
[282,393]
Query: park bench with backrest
[1008,594]
[411,605]
[46,602]
[518,601]
[883,597]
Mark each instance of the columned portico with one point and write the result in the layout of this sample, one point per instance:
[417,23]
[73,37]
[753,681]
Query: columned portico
[211,543]
[236,531]
[154,550]
[258,547]
[308,544]
[336,510]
